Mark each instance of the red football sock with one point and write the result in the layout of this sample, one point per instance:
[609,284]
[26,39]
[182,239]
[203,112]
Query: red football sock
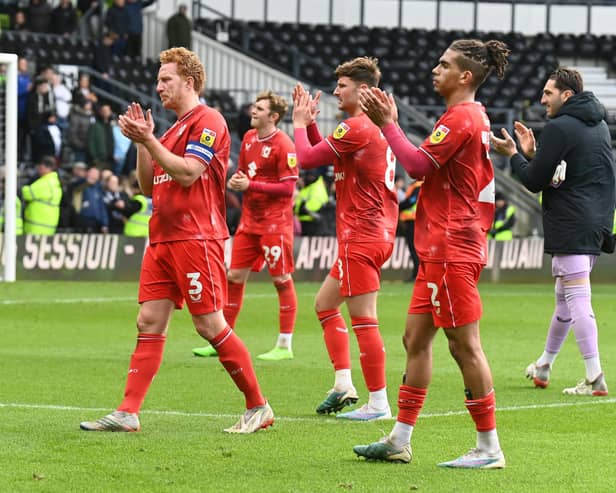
[235,357]
[410,402]
[144,364]
[287,300]
[235,296]
[371,352]
[336,337]
[483,411]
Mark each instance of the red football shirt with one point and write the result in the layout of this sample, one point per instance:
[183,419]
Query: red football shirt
[198,211]
[364,170]
[456,203]
[270,160]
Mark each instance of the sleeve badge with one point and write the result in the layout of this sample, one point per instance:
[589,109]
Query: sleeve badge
[291,160]
[208,137]
[439,134]
[341,130]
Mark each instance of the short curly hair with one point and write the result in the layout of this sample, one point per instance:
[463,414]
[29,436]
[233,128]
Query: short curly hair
[188,65]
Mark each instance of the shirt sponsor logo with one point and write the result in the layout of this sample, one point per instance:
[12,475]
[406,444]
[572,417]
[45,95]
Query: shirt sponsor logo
[265,152]
[439,134]
[208,137]
[292,160]
[252,169]
[341,130]
[158,179]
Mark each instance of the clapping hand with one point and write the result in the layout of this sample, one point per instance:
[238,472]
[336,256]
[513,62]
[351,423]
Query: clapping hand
[378,105]
[136,125]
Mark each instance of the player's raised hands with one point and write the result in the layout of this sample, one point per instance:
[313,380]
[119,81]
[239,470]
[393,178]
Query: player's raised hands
[137,125]
[302,107]
[526,138]
[379,106]
[505,146]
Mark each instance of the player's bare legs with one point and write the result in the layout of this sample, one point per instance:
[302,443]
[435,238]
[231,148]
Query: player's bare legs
[465,347]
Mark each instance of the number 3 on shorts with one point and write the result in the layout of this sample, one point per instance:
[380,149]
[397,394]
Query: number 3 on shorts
[435,303]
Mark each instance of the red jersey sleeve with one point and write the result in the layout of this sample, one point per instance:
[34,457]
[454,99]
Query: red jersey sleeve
[203,142]
[450,133]
[349,136]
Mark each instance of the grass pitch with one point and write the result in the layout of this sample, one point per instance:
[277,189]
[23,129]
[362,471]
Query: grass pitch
[65,349]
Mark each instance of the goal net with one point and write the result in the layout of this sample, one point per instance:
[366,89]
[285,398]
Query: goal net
[8,163]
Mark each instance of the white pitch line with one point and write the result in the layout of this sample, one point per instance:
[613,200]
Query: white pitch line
[52,407]
[133,299]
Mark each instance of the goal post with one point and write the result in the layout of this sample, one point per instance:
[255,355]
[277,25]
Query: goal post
[9,249]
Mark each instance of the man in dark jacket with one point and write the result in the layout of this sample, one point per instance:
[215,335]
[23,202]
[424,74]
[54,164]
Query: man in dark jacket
[573,167]
[179,29]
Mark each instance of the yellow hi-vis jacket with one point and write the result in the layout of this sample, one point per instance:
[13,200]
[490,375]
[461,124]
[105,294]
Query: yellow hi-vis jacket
[42,204]
[137,224]
[505,234]
[408,214]
[19,222]
[315,195]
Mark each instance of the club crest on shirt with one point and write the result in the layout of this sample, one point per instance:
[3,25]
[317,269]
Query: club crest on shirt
[291,160]
[208,137]
[252,169]
[181,130]
[341,130]
[265,152]
[439,134]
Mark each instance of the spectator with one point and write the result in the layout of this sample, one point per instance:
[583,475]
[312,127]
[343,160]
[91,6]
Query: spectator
[179,29]
[103,54]
[63,98]
[243,119]
[100,139]
[24,86]
[19,222]
[400,187]
[121,144]
[309,201]
[407,208]
[89,205]
[64,18]
[47,138]
[117,21]
[135,25]
[504,219]
[41,102]
[39,16]
[137,223]
[79,170]
[116,202]
[80,119]
[83,91]
[42,199]
[90,18]
[19,22]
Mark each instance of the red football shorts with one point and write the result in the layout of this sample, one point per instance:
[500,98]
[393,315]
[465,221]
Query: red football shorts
[448,291]
[249,250]
[358,267]
[191,270]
